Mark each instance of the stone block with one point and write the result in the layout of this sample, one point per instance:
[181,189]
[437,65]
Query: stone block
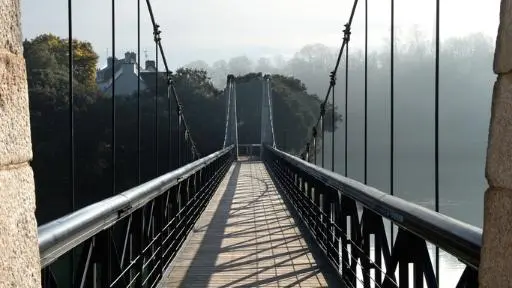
[495,264]
[499,152]
[15,141]
[19,257]
[503,52]
[10,22]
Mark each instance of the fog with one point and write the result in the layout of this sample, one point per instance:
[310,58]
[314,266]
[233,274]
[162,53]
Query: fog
[466,80]
[465,90]
[273,37]
[301,39]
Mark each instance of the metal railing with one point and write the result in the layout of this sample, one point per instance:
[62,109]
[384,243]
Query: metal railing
[129,239]
[330,206]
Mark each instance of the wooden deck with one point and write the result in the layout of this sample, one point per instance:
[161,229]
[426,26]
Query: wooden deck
[246,237]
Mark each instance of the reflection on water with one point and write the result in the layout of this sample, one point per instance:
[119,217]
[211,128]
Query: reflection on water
[450,267]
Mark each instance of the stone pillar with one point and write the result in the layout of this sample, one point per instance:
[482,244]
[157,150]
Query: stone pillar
[496,255]
[19,253]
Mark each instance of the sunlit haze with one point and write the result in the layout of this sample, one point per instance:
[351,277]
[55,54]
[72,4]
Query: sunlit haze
[212,30]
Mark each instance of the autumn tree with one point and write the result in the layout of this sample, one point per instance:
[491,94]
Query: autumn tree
[48,52]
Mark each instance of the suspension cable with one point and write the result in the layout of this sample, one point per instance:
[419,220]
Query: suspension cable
[392,116]
[344,45]
[436,140]
[347,35]
[322,115]
[365,91]
[71,126]
[110,237]
[269,94]
[169,103]
[333,119]
[156,35]
[158,41]
[139,179]
[71,104]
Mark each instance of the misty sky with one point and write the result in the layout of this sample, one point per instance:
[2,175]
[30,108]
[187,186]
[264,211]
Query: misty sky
[220,29]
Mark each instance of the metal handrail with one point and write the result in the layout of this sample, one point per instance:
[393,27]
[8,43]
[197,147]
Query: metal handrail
[63,234]
[451,235]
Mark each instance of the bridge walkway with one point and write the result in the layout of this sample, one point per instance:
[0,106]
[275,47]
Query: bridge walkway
[247,237]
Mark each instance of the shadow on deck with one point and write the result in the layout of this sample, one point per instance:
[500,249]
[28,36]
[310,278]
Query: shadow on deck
[246,237]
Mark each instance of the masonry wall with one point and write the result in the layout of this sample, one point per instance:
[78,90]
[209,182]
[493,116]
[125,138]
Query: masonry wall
[496,256]
[19,253]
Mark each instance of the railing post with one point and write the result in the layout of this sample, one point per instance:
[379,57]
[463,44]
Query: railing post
[327,196]
[314,144]
[103,256]
[315,196]
[138,244]
[337,221]
[302,184]
[175,209]
[159,225]
[307,152]
[347,206]
[178,222]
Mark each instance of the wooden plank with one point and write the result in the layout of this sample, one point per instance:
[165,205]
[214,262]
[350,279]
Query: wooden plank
[245,237]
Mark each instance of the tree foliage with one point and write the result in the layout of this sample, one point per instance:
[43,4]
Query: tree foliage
[50,53]
[204,109]
[295,111]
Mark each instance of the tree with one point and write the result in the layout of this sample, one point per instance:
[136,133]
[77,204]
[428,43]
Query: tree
[195,82]
[46,58]
[85,61]
[294,110]
[49,52]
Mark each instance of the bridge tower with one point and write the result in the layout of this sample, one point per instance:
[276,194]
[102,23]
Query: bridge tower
[267,123]
[19,256]
[231,133]
[496,253]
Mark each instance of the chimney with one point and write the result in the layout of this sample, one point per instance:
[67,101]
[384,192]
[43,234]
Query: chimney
[110,61]
[127,57]
[150,65]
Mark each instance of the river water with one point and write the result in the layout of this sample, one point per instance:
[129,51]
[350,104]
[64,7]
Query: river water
[465,88]
[463,130]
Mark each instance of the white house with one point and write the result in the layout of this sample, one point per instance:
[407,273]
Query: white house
[126,75]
